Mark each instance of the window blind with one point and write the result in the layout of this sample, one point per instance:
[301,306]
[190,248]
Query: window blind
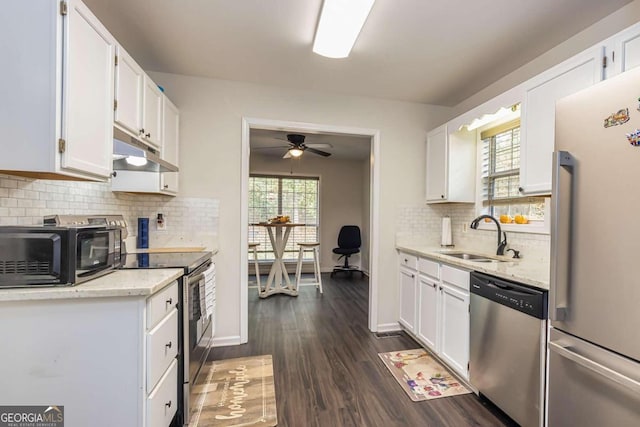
[501,174]
[297,197]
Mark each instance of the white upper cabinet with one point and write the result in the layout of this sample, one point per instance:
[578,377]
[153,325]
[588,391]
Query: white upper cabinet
[538,115]
[623,51]
[437,164]
[128,87]
[170,144]
[57,89]
[152,113]
[451,160]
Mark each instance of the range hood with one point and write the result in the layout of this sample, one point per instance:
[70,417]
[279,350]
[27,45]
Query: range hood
[131,154]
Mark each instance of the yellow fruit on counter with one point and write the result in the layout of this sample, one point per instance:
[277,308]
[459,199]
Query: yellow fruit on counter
[506,219]
[521,219]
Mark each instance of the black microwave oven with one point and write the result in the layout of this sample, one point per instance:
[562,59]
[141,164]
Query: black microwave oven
[62,256]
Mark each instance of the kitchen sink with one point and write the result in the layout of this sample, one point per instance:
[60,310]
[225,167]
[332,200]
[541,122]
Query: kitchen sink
[472,257]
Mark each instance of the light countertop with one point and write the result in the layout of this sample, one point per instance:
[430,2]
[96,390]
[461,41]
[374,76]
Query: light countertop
[532,272]
[120,283]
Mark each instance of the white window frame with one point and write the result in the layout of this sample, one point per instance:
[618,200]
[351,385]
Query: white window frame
[535,227]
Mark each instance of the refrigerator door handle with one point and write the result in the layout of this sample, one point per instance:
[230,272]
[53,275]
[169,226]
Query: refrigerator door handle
[599,369]
[560,237]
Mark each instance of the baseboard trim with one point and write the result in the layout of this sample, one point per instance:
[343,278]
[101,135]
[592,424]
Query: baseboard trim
[225,341]
[389,327]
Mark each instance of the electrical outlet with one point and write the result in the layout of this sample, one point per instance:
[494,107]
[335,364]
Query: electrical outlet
[464,227]
[161,222]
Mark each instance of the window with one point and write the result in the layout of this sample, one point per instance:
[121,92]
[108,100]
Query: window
[501,175]
[297,197]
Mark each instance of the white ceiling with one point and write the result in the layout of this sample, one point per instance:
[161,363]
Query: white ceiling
[273,143]
[428,51]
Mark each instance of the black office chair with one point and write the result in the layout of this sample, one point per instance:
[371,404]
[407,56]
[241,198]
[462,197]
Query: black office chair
[349,243]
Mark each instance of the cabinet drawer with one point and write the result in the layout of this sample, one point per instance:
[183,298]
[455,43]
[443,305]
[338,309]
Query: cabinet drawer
[163,400]
[160,304]
[407,260]
[428,267]
[454,276]
[162,347]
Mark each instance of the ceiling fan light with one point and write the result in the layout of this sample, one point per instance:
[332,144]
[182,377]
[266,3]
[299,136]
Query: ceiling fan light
[339,26]
[295,152]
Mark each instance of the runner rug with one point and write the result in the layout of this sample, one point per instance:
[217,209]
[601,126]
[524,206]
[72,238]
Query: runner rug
[234,393]
[421,376]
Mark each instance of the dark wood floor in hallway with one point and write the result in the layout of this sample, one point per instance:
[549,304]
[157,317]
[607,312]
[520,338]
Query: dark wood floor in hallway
[327,370]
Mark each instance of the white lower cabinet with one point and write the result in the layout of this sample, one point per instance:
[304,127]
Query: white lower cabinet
[110,361]
[163,400]
[454,328]
[428,314]
[434,308]
[408,298]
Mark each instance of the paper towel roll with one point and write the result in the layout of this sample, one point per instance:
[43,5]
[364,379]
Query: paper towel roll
[447,239]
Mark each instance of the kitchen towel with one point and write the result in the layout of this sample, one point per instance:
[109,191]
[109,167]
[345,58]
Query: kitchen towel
[447,239]
[143,233]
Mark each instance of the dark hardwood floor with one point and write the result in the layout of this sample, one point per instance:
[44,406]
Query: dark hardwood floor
[326,365]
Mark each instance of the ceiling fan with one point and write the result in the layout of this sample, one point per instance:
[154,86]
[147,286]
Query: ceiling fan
[297,146]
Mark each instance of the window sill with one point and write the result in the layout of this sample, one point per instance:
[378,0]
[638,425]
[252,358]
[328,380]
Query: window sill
[516,228]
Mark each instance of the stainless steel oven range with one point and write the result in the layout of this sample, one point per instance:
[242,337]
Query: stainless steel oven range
[195,327]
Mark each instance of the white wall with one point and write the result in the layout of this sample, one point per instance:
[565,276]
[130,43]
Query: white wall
[341,194]
[211,112]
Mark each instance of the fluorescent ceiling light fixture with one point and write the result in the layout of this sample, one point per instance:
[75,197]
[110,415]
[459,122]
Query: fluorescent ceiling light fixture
[136,160]
[295,152]
[339,26]
[504,112]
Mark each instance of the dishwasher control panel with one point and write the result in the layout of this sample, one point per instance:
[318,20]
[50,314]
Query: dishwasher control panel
[511,294]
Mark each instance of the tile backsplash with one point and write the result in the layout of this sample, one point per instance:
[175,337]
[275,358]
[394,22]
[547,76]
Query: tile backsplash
[421,224]
[190,221]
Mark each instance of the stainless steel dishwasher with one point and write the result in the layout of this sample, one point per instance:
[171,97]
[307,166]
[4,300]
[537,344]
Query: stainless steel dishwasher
[507,346]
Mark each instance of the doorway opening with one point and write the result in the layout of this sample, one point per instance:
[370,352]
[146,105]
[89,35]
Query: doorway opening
[252,128]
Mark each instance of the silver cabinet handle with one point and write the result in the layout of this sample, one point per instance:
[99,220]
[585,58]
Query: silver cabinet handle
[561,210]
[596,367]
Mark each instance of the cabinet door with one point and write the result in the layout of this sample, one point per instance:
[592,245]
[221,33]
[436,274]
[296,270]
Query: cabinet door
[428,311]
[538,115]
[129,85]
[170,144]
[437,164]
[625,53]
[87,120]
[454,340]
[408,299]
[152,113]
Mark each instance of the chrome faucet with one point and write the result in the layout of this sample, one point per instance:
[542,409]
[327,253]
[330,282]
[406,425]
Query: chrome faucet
[502,243]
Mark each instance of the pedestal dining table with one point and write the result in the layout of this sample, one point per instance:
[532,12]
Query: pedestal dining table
[278,281]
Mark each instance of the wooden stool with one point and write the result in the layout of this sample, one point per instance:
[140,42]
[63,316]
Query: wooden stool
[254,247]
[317,279]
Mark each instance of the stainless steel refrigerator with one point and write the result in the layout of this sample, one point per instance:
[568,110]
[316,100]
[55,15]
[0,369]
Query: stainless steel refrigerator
[594,300]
